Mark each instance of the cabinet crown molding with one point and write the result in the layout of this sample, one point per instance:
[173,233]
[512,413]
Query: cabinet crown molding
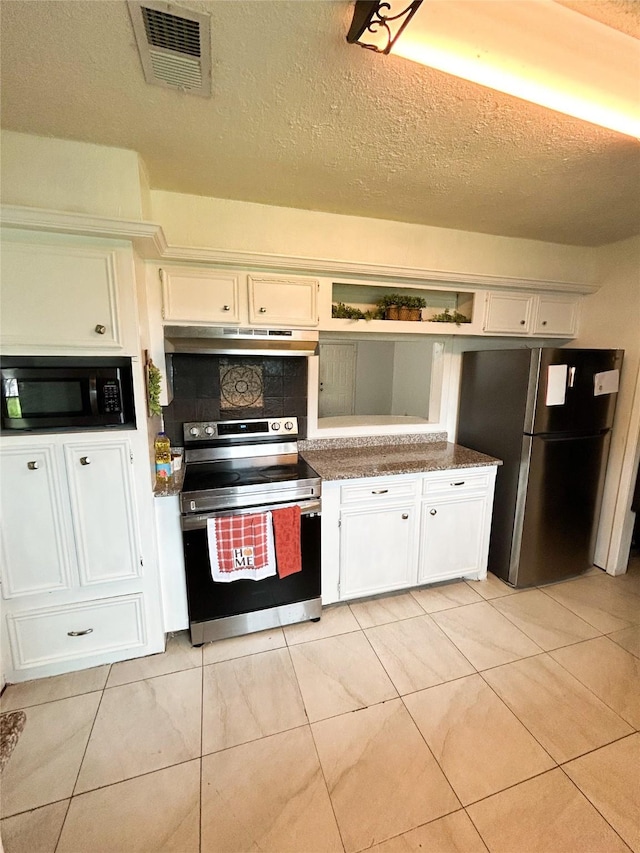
[149,241]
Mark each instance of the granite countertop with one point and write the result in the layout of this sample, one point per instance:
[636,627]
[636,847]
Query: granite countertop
[347,463]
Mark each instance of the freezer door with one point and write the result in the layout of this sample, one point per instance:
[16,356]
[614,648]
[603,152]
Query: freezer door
[554,535]
[566,400]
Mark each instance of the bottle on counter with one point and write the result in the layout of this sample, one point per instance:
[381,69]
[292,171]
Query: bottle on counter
[164,470]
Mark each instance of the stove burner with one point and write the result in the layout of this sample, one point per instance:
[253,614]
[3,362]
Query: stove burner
[225,478]
[280,472]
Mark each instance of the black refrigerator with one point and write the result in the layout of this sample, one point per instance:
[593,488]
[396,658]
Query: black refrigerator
[547,413]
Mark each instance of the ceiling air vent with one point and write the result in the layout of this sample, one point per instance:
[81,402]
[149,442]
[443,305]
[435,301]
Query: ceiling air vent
[174,45]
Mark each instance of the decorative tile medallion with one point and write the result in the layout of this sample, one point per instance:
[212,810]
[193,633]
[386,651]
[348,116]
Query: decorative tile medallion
[241,386]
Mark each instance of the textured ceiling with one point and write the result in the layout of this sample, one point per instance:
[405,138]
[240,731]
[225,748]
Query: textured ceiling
[299,118]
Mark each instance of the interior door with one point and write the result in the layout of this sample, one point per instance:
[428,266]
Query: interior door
[337,380]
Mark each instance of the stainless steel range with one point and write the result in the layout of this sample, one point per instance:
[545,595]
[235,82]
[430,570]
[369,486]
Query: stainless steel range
[237,467]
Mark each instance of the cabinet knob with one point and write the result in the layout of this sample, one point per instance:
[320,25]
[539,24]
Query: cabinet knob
[263,310]
[522,322]
[33,466]
[544,322]
[80,633]
[100,329]
[433,512]
[84,460]
[226,307]
[405,515]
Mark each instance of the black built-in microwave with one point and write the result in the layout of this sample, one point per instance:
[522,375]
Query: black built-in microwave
[66,393]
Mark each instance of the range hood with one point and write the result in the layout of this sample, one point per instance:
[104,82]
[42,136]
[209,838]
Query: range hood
[225,340]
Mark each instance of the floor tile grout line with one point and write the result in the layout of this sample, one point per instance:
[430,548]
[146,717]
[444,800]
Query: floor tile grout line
[593,693]
[513,711]
[81,762]
[431,753]
[113,784]
[592,804]
[326,784]
[574,642]
[584,619]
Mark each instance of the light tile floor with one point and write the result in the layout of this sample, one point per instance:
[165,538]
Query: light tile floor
[463,717]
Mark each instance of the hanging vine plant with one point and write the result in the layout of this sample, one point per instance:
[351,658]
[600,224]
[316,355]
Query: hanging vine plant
[154,386]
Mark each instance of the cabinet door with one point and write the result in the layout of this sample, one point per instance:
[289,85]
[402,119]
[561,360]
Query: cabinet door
[103,510]
[508,313]
[200,296]
[283,301]
[36,550]
[557,315]
[376,550]
[59,296]
[451,538]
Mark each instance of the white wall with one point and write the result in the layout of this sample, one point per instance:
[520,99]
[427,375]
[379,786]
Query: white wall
[199,222]
[611,318]
[76,177]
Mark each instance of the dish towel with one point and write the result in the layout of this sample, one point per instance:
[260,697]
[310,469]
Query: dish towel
[241,547]
[286,526]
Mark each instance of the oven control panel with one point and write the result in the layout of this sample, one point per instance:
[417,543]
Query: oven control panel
[257,429]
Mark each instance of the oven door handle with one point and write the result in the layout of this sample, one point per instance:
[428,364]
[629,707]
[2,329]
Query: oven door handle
[195,522]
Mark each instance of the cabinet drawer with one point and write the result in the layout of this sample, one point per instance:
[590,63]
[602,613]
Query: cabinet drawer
[456,482]
[76,631]
[378,491]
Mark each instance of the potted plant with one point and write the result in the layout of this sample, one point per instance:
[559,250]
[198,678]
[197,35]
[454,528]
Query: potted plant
[396,306]
[447,317]
[347,312]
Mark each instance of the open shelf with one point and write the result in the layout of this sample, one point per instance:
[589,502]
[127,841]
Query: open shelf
[364,297]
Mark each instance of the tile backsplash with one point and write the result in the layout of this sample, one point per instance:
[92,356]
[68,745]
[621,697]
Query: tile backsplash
[197,393]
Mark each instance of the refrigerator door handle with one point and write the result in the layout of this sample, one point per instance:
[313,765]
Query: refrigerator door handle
[572,376]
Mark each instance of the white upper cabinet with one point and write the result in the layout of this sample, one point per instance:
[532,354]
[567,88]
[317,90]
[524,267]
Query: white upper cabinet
[210,297]
[200,296]
[62,294]
[546,315]
[556,315]
[277,301]
[508,313]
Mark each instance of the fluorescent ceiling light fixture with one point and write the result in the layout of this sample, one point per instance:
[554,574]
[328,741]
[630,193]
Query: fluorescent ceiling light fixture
[536,50]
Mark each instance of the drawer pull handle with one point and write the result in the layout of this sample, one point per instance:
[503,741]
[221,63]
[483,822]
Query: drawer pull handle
[433,512]
[33,466]
[80,633]
[379,491]
[459,483]
[405,515]
[100,329]
[84,460]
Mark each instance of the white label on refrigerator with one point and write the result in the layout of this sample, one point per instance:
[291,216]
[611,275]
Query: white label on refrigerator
[606,382]
[556,384]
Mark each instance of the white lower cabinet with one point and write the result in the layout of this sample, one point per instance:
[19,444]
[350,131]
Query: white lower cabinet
[376,550]
[74,588]
[451,537]
[76,631]
[384,534]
